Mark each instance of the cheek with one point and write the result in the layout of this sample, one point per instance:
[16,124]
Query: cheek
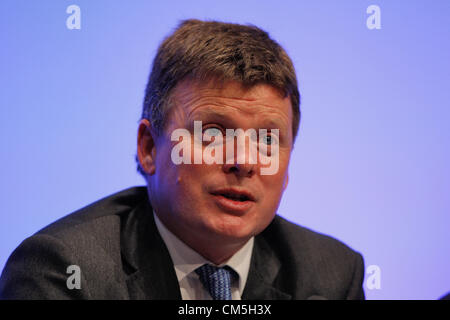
[274,186]
[168,176]
[187,181]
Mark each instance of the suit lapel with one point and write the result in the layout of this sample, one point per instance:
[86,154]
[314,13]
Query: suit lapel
[146,260]
[264,268]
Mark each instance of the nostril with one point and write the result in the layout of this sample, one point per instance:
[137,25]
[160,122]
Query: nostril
[230,168]
[239,169]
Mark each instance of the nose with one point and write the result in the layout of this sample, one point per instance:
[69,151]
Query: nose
[239,169]
[242,162]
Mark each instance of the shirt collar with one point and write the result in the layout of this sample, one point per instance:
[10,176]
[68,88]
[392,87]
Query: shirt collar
[186,260]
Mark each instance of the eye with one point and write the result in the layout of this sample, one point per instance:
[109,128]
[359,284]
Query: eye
[212,131]
[268,139]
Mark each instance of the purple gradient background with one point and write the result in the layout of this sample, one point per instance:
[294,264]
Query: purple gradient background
[371,163]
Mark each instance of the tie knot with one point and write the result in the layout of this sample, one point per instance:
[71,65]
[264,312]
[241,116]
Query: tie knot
[217,280]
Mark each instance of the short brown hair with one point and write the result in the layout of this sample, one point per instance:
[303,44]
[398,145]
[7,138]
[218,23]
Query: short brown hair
[223,51]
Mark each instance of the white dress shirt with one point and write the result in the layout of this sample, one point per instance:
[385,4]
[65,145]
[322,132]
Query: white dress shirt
[186,260]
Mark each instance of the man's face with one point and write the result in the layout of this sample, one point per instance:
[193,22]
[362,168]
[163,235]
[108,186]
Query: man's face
[200,201]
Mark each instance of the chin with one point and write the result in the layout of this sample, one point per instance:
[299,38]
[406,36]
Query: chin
[236,228]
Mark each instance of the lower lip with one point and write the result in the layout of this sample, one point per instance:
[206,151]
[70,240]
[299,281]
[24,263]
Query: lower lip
[236,207]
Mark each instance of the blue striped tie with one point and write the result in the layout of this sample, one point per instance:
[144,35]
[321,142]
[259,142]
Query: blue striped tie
[216,280]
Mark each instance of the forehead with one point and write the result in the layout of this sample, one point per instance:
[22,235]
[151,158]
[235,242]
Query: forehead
[225,98]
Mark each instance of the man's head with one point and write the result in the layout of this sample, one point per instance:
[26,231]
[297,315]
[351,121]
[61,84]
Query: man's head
[227,76]
[223,51]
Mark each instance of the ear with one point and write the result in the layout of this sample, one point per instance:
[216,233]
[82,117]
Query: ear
[285,183]
[146,149]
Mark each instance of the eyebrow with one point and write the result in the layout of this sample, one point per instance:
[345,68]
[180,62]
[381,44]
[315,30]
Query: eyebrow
[221,113]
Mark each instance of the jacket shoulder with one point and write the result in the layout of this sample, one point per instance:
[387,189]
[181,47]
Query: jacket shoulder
[88,238]
[310,241]
[97,213]
[95,229]
[320,264]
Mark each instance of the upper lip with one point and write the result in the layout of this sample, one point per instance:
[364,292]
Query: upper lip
[236,192]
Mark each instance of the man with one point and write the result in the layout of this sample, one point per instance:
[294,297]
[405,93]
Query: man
[205,227]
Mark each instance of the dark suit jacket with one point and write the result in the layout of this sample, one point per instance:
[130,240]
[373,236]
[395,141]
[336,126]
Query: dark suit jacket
[121,255]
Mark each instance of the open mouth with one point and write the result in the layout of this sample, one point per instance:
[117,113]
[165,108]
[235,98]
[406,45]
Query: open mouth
[235,201]
[234,196]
